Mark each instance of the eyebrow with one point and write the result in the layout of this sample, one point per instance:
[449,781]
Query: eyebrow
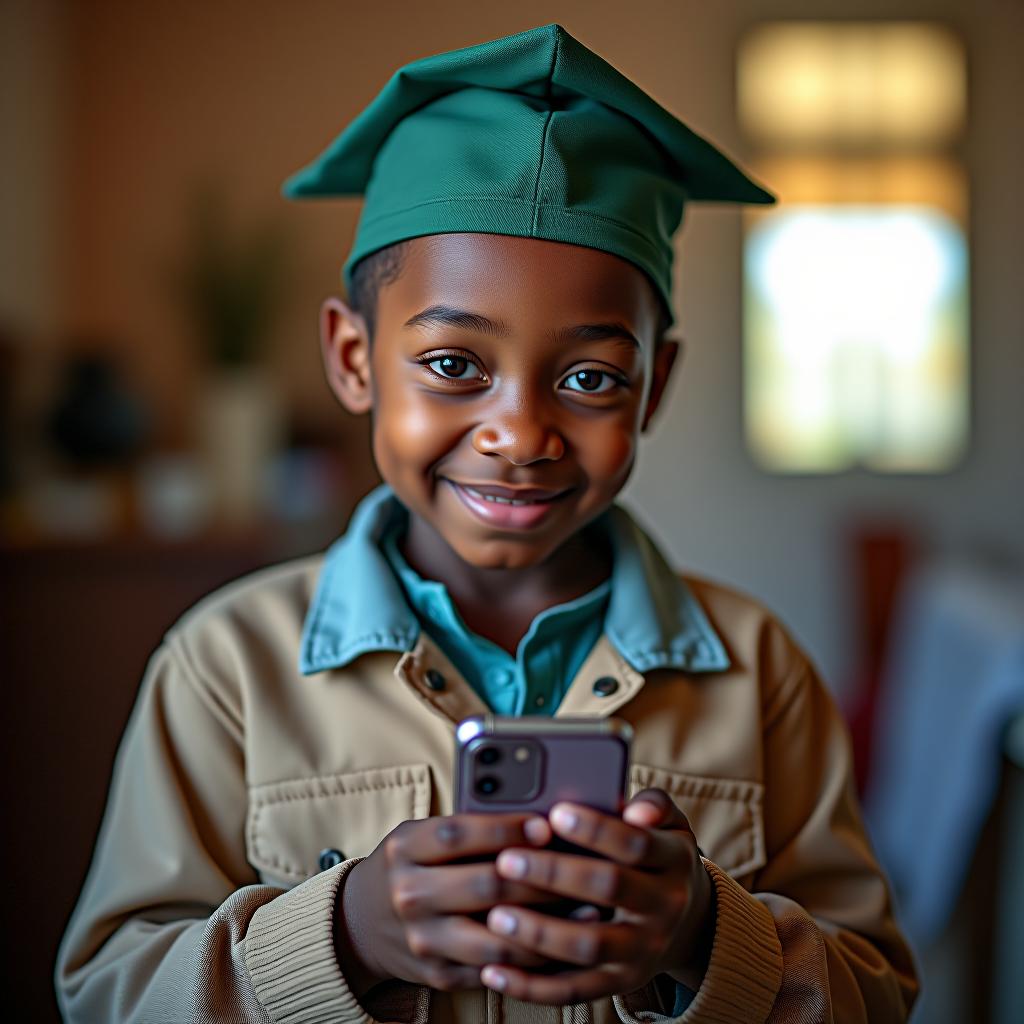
[450,316]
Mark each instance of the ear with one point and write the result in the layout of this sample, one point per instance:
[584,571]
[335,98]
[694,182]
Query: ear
[345,348]
[665,355]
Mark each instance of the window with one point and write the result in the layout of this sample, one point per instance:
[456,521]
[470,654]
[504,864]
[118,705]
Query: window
[855,285]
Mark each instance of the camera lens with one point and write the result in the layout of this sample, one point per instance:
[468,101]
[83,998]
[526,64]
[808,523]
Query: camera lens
[489,755]
[488,785]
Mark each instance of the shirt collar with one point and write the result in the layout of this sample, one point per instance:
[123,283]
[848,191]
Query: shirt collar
[358,605]
[653,619]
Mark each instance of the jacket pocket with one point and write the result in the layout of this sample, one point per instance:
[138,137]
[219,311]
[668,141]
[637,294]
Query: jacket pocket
[290,824]
[725,814]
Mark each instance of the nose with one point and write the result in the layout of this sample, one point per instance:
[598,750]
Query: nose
[519,432]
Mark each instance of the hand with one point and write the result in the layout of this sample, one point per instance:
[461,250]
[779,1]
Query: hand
[404,911]
[650,870]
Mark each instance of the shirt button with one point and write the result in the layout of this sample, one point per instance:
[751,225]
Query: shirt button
[605,686]
[435,681]
[330,858]
[540,700]
[501,677]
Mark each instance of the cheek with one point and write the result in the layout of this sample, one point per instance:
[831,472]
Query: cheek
[607,453]
[410,433]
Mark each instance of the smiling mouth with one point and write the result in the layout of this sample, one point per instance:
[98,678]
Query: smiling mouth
[510,507]
[507,499]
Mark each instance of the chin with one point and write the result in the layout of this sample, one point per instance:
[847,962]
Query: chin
[503,554]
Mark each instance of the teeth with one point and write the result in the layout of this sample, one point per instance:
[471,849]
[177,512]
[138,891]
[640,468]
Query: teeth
[497,500]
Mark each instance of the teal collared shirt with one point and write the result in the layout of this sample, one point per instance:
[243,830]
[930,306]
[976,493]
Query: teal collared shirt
[360,605]
[535,679]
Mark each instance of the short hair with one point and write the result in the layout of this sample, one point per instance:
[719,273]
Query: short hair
[378,268]
[384,266]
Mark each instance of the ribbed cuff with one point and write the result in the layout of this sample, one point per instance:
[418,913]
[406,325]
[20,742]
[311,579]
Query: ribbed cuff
[642,1004]
[744,973]
[289,953]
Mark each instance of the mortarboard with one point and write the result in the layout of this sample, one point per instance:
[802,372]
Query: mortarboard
[532,135]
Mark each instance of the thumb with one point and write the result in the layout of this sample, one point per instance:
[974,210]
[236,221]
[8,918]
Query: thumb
[654,808]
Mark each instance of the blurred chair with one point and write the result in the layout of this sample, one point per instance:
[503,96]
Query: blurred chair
[952,684]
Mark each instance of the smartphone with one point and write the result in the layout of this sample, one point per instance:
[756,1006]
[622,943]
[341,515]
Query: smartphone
[532,762]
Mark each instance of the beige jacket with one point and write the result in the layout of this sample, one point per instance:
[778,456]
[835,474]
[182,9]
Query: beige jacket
[206,900]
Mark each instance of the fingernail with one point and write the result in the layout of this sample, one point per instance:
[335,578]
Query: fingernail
[501,921]
[536,830]
[564,819]
[493,978]
[512,865]
[641,812]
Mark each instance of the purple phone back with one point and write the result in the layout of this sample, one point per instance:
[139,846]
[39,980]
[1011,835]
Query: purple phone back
[585,769]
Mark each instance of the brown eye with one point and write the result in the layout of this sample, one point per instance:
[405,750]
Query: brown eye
[594,382]
[455,368]
[452,366]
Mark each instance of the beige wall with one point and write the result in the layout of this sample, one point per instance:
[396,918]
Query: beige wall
[162,94]
[33,153]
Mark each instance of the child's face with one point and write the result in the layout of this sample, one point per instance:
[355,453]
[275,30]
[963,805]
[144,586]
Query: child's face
[528,408]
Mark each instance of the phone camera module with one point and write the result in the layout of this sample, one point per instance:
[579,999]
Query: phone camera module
[489,755]
[488,785]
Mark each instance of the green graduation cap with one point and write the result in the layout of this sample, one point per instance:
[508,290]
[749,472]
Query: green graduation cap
[531,135]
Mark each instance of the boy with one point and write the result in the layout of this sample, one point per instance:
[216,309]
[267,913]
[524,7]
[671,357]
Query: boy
[279,843]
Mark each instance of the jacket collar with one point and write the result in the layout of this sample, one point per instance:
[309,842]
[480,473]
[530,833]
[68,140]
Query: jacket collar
[653,619]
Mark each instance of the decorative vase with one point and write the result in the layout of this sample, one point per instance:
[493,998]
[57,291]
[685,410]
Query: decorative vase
[240,430]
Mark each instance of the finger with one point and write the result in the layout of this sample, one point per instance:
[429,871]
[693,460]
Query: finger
[440,840]
[615,839]
[654,808]
[458,889]
[585,912]
[587,879]
[466,942]
[583,944]
[556,989]
[448,976]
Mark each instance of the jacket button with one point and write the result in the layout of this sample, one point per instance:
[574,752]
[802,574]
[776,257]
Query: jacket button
[605,686]
[330,857]
[435,681]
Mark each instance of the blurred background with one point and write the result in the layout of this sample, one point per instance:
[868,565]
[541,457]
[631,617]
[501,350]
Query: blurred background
[846,439]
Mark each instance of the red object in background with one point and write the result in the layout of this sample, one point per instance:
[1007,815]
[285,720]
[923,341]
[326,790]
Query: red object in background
[882,556]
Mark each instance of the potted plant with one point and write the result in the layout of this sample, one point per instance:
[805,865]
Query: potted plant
[231,286]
